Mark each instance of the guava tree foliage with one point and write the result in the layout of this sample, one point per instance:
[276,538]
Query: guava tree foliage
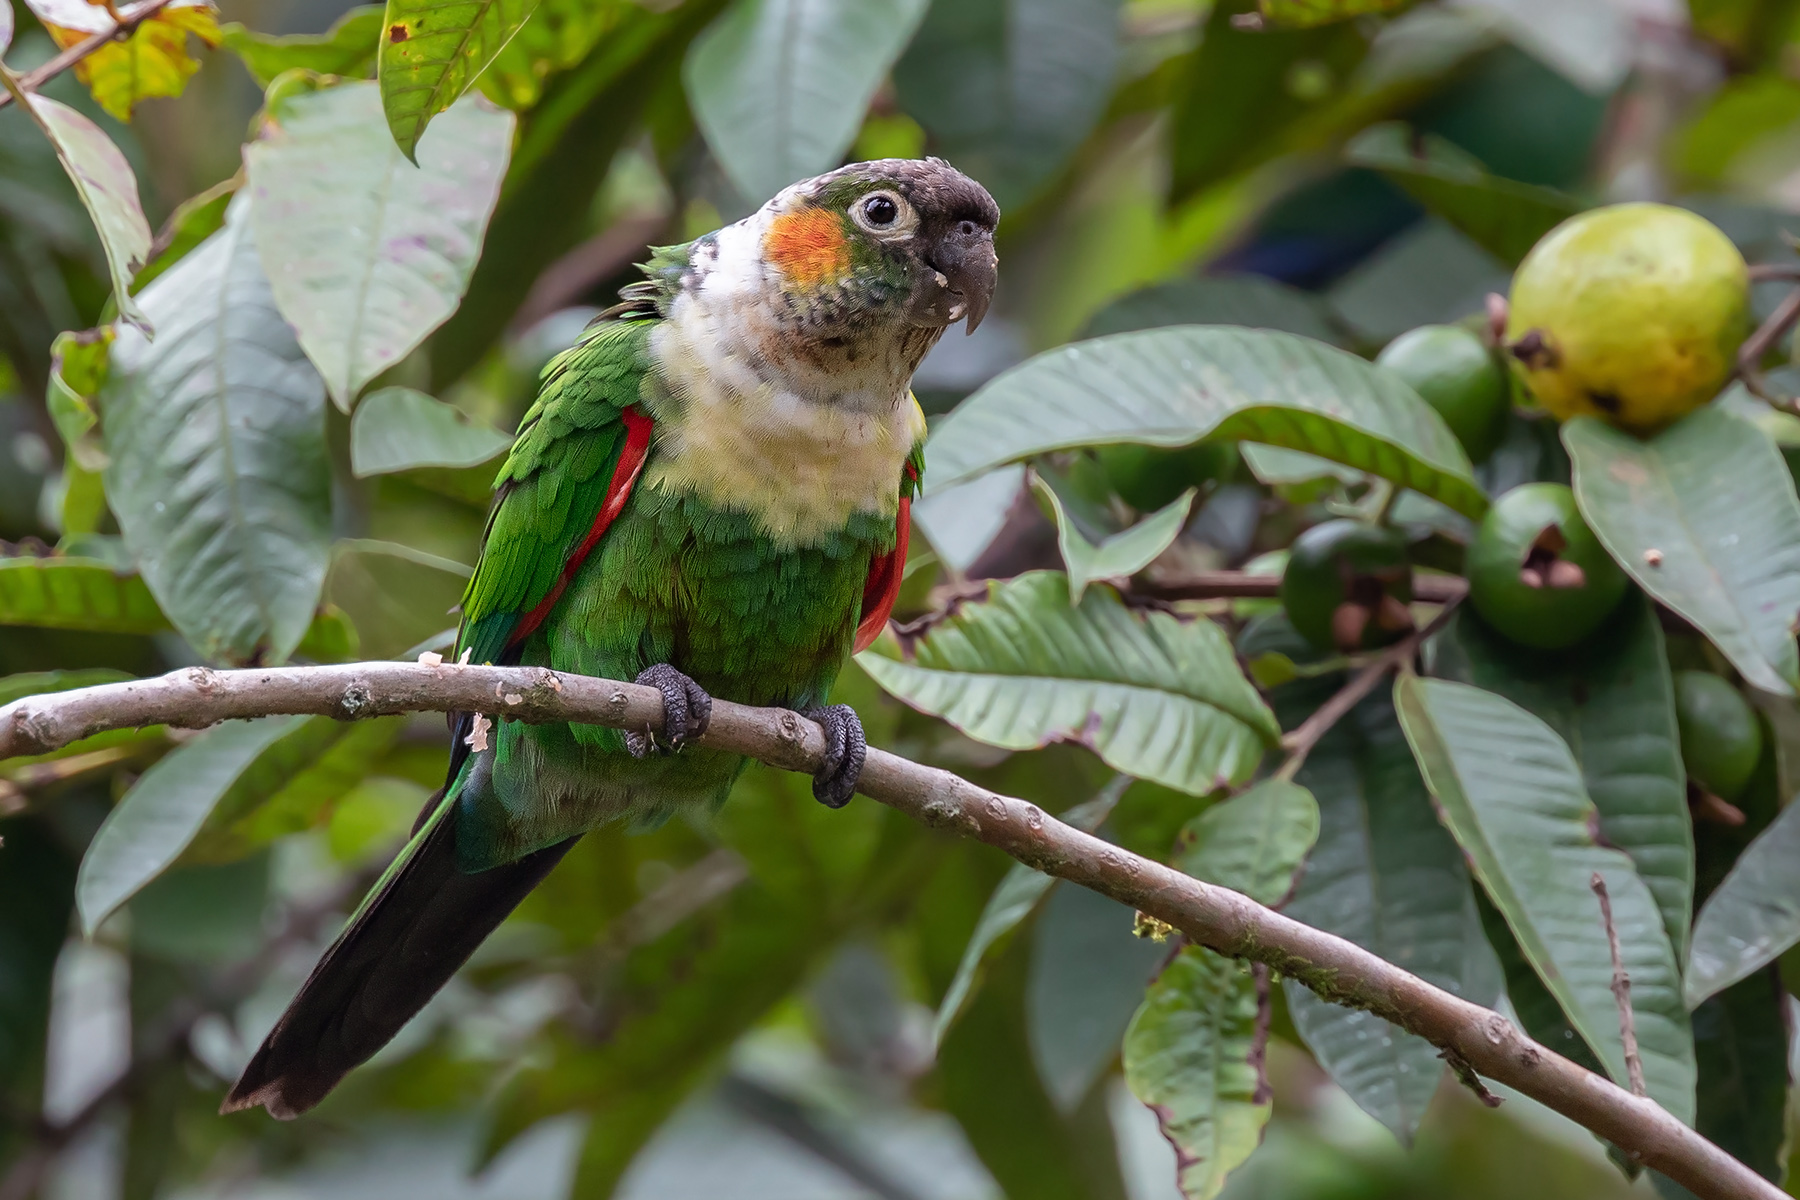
[1153,554]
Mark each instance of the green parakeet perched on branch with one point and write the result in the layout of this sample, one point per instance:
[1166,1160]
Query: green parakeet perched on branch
[710,496]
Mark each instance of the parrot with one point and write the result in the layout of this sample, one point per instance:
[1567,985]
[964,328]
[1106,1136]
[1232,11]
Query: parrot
[711,496]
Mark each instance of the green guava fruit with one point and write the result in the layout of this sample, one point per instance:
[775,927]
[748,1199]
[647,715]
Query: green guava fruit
[1721,739]
[1632,313]
[1537,573]
[1454,372]
[1152,477]
[1347,585]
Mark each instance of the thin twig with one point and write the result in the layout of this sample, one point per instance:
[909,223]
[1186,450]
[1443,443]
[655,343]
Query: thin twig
[1300,741]
[1621,990]
[1221,585]
[129,20]
[1763,272]
[1750,354]
[1229,922]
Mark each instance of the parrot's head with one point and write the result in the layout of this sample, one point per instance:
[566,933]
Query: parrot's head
[897,241]
[838,286]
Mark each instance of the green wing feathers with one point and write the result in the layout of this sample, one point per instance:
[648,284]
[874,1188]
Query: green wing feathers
[554,481]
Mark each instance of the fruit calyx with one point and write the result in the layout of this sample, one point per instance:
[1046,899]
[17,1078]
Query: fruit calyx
[1369,597]
[1543,568]
[1535,351]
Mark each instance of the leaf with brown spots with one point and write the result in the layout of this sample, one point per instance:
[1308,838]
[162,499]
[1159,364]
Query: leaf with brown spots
[433,51]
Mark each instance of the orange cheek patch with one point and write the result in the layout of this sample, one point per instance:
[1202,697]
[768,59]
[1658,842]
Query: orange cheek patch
[808,246]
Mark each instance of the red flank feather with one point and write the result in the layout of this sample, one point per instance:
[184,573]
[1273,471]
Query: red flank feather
[631,463]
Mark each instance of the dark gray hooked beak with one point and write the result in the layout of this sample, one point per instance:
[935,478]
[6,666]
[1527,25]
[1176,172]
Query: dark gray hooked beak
[966,259]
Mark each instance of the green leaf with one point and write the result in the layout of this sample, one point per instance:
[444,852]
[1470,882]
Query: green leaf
[1753,915]
[1154,696]
[1539,1014]
[1387,876]
[76,593]
[367,252]
[558,35]
[1503,216]
[1712,498]
[108,190]
[222,796]
[563,155]
[1512,795]
[193,221]
[218,468]
[1121,555]
[331,638]
[1747,110]
[348,48]
[1611,700]
[1248,300]
[1193,1054]
[148,830]
[399,429]
[683,996]
[1237,104]
[961,522]
[292,786]
[1018,895]
[431,51]
[1171,387]
[1008,89]
[779,87]
[1303,14]
[78,365]
[394,596]
[1087,977]
[1252,843]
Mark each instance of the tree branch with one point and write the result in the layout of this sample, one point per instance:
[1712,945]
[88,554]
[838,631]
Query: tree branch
[1215,585]
[128,22]
[1337,970]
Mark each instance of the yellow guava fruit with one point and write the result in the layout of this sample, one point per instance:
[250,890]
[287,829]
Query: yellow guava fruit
[1632,313]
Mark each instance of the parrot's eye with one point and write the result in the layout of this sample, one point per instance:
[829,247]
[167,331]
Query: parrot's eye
[883,212]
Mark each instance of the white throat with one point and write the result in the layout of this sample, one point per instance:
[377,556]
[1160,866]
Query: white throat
[745,423]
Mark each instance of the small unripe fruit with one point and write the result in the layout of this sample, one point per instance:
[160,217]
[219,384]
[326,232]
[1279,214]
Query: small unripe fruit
[1453,371]
[1152,477]
[1721,739]
[1537,573]
[1347,585]
[1632,313]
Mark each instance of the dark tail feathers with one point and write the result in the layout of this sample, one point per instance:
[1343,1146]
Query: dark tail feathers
[394,956]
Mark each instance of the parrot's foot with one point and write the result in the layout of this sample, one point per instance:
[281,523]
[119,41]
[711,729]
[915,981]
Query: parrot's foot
[687,710]
[845,750]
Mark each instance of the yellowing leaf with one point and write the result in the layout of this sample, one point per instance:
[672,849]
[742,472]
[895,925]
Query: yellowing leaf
[154,61]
